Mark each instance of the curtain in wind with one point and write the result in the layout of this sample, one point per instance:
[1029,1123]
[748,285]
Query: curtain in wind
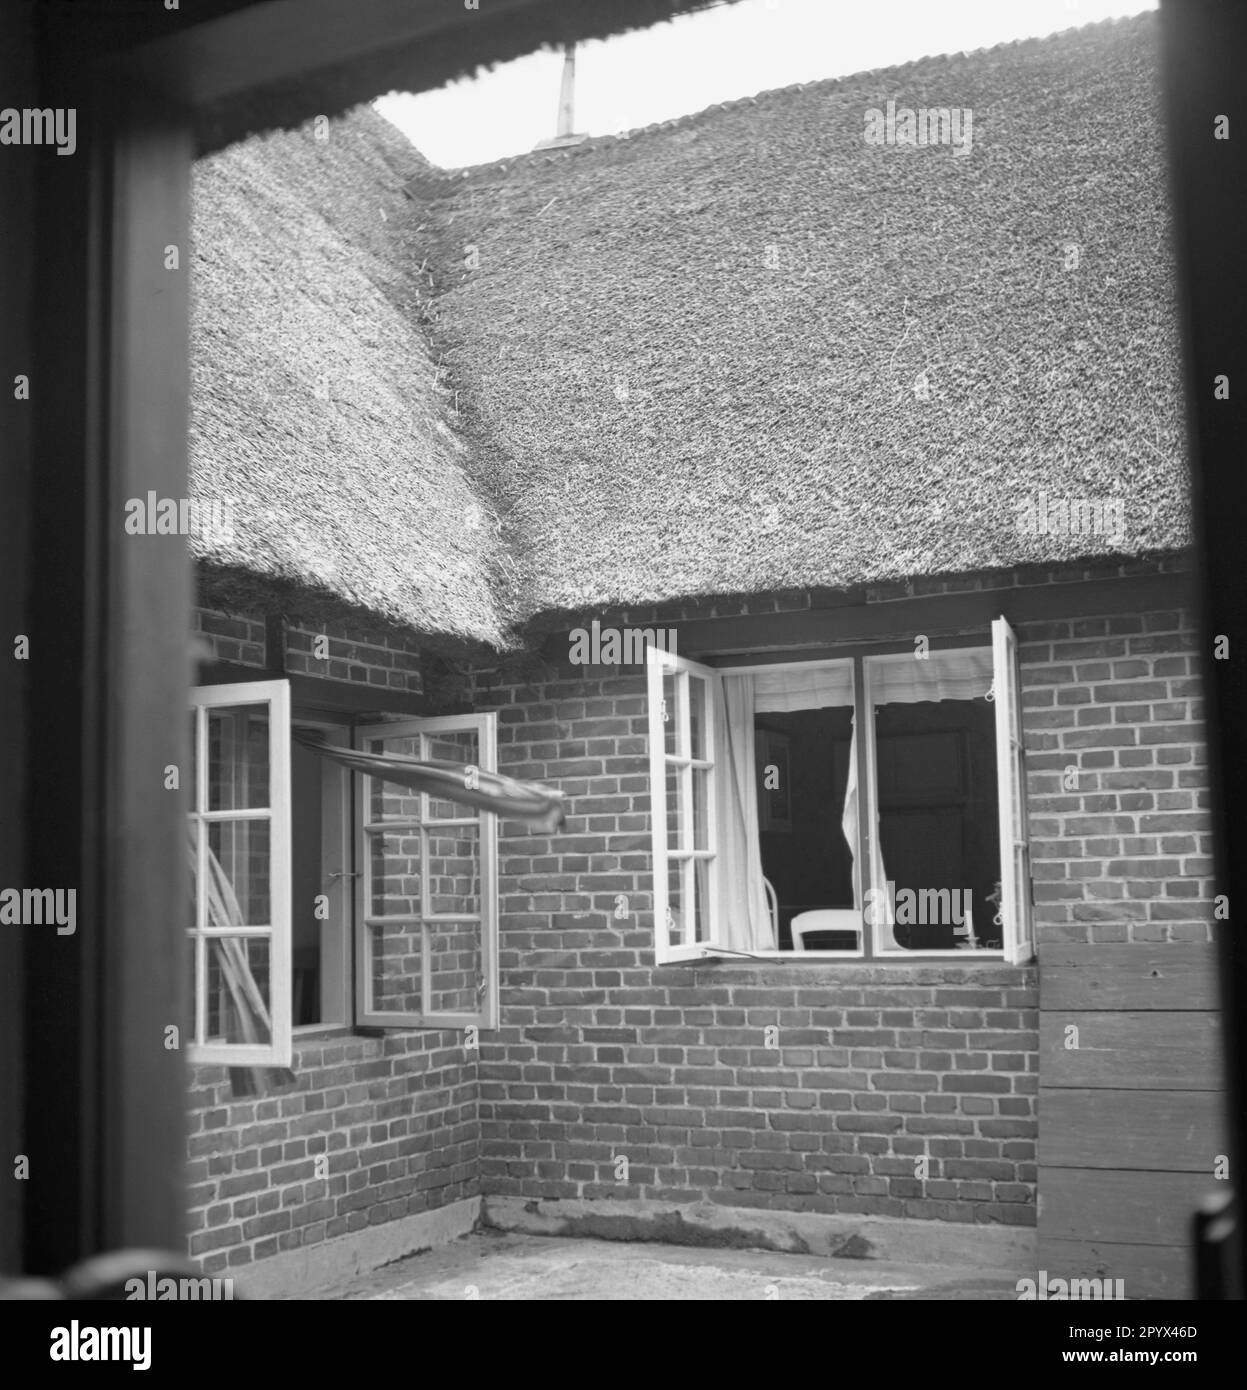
[883,913]
[742,892]
[542,807]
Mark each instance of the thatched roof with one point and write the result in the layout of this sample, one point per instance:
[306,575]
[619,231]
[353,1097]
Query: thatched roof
[690,359]
[304,281]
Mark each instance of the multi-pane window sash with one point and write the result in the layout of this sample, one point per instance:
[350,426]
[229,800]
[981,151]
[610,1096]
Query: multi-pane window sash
[683,698]
[239,850]
[427,902]
[239,847]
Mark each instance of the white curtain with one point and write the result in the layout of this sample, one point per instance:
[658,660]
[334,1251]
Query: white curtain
[778,692]
[742,893]
[883,913]
[952,675]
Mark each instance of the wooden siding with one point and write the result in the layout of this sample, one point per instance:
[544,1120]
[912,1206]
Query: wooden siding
[1132,1111]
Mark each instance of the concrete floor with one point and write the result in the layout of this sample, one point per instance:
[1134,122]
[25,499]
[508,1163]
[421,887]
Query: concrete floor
[521,1266]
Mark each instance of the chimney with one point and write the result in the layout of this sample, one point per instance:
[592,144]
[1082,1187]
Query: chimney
[567,93]
[564,132]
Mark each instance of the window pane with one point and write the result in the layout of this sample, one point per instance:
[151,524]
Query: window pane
[698,699]
[192,780]
[701,899]
[461,747]
[238,757]
[239,1003]
[802,761]
[238,889]
[455,966]
[701,808]
[192,879]
[394,967]
[674,839]
[671,710]
[192,967]
[453,866]
[938,821]
[675,901]
[386,800]
[394,862]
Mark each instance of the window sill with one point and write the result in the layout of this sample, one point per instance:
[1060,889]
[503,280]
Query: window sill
[823,971]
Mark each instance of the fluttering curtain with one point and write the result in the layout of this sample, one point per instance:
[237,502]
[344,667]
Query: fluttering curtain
[742,892]
[883,915]
[542,807]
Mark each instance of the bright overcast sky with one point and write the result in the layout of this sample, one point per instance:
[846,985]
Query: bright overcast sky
[730,51]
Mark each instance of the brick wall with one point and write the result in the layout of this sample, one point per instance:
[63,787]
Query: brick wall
[381,656]
[807,1086]
[372,1129]
[601,1055]
[1121,848]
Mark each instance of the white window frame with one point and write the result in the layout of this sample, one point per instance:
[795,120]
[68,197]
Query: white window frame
[862,762]
[1015,875]
[874,852]
[1018,931]
[486,1016]
[279,1051]
[658,664]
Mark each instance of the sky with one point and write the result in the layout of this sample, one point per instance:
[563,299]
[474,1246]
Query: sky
[720,54]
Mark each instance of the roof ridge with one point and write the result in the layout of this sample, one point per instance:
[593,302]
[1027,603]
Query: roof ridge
[599,142]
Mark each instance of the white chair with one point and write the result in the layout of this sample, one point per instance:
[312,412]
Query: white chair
[842,919]
[773,903]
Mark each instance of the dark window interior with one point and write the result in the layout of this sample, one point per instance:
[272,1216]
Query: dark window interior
[306,774]
[936,769]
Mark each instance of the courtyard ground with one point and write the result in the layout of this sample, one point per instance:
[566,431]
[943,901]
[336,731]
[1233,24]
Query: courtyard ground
[521,1266]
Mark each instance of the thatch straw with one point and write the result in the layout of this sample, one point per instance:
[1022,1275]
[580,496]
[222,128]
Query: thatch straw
[663,413]
[301,279]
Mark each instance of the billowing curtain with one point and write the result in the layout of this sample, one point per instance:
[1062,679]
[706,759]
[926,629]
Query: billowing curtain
[742,893]
[544,808]
[883,914]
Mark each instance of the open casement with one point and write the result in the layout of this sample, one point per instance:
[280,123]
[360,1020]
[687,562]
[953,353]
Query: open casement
[239,851]
[1015,879]
[427,905]
[683,699]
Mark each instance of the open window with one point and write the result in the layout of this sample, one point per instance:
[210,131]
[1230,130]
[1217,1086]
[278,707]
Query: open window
[1018,923]
[870,807]
[426,905]
[274,848]
[239,850]
[683,698]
